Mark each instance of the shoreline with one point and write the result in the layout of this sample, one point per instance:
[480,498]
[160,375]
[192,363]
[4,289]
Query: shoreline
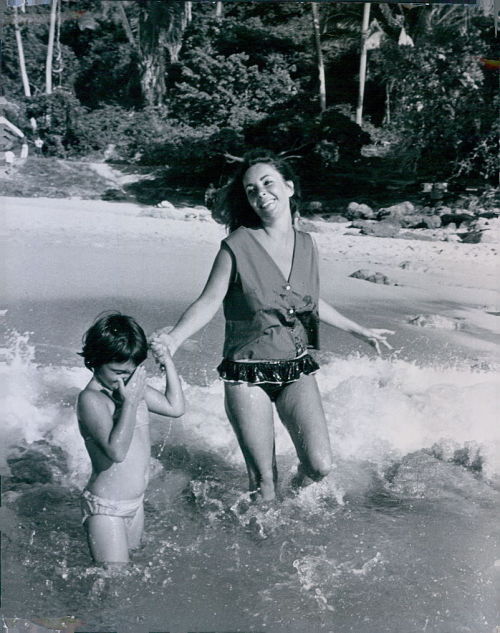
[89,250]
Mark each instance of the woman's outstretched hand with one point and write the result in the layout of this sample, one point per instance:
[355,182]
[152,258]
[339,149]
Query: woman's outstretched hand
[375,337]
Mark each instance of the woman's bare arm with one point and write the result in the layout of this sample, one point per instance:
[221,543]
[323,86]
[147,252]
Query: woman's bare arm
[201,311]
[374,337]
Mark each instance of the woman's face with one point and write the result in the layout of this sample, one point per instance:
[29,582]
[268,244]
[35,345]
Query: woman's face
[268,193]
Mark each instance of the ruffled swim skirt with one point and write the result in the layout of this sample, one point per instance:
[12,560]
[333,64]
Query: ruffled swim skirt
[276,372]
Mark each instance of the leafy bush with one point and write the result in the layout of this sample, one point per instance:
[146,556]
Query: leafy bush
[440,108]
[228,91]
[193,155]
[59,118]
[323,139]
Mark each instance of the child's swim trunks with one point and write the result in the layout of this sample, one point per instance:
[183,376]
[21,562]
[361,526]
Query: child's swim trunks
[91,505]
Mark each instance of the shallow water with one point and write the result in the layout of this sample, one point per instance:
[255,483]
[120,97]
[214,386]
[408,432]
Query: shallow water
[402,537]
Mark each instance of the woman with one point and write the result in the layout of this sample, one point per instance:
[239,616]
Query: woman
[266,276]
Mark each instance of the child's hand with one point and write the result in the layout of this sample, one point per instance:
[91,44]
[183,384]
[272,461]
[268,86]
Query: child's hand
[133,391]
[161,347]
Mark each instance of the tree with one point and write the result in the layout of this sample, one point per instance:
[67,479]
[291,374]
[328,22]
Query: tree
[20,52]
[22,66]
[441,108]
[319,55]
[161,27]
[362,62]
[50,47]
[155,28]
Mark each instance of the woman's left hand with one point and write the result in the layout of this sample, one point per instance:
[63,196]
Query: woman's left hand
[375,337]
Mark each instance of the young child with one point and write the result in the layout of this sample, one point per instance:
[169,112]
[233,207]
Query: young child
[113,418]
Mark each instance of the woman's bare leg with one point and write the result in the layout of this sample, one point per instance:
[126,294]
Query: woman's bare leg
[250,412]
[301,411]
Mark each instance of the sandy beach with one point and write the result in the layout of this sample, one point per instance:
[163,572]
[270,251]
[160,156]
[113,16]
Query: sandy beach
[124,250]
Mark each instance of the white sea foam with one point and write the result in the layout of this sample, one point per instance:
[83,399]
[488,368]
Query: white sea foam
[377,410]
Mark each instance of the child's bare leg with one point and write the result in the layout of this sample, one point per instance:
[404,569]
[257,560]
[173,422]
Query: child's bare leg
[250,412]
[135,527]
[107,538]
[301,411]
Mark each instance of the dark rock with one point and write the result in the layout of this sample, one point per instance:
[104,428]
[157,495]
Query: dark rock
[437,321]
[396,212]
[472,237]
[40,462]
[335,218]
[456,218]
[414,235]
[379,229]
[114,195]
[431,221]
[375,278]
[357,211]
[421,222]
[310,208]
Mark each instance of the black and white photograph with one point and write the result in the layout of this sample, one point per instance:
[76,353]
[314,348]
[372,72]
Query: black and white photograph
[249,316]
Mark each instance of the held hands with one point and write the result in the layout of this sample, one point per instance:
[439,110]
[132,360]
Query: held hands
[163,347]
[375,337]
[133,391]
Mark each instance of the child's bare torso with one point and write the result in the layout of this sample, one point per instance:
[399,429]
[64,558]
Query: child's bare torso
[120,480]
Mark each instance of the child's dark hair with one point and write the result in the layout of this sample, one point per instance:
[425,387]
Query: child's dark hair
[232,206]
[114,337]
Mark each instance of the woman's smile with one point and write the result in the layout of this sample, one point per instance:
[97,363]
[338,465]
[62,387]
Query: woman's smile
[266,189]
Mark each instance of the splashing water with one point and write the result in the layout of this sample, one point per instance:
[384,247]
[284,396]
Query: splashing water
[402,530]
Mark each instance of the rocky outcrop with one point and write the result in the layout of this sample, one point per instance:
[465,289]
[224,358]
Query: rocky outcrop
[486,230]
[377,229]
[437,321]
[357,211]
[397,212]
[374,278]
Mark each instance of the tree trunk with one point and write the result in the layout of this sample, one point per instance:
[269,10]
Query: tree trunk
[152,71]
[219,6]
[362,62]
[126,26]
[22,66]
[161,27]
[20,53]
[387,114]
[50,47]
[319,55]
[178,18]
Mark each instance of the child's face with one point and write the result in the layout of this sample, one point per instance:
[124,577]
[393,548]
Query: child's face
[109,374]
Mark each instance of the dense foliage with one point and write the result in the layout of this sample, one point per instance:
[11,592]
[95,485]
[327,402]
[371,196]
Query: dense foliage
[249,77]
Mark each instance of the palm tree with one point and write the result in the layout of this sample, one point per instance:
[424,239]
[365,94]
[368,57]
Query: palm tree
[22,65]
[319,55]
[362,62]
[50,47]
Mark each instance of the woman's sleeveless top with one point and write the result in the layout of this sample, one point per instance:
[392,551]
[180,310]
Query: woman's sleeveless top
[267,316]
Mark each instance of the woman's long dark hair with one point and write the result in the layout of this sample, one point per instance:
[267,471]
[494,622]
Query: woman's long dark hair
[232,207]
